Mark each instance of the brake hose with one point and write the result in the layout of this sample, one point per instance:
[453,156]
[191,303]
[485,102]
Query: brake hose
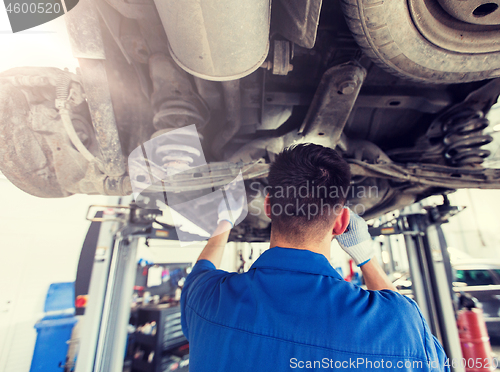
[62,94]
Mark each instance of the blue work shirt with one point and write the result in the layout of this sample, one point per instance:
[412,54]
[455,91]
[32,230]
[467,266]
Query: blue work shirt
[292,311]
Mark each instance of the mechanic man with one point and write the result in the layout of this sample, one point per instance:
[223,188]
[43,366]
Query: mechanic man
[292,310]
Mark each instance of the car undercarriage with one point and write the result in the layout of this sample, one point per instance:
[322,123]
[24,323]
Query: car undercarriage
[391,85]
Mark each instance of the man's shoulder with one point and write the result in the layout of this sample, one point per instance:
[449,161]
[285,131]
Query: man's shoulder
[201,281]
[381,298]
[385,310]
[407,308]
[393,297]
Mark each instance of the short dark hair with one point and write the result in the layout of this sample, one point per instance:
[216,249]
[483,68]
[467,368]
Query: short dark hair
[303,179]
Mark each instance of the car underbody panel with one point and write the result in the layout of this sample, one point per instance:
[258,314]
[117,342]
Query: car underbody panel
[252,79]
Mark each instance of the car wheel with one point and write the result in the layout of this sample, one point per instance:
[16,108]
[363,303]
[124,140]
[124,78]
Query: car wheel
[421,41]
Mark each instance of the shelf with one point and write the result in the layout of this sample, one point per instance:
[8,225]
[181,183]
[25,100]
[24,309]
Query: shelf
[141,365]
[168,335]
[144,339]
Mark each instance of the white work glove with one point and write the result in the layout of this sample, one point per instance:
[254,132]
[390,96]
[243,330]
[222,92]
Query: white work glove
[233,211]
[356,240]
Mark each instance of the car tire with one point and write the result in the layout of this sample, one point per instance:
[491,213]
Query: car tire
[386,32]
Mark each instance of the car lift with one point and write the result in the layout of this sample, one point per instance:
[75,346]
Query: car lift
[103,334]
[104,330]
[430,269]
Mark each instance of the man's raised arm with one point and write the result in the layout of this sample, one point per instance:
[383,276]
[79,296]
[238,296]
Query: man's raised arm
[229,211]
[357,242]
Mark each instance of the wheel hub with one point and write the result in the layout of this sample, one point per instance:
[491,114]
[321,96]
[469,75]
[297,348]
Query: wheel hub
[452,33]
[479,12]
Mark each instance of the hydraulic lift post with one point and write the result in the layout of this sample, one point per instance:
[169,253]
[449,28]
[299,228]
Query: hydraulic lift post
[105,323]
[91,322]
[430,269]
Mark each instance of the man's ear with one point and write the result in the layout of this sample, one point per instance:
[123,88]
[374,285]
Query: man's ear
[341,222]
[267,206]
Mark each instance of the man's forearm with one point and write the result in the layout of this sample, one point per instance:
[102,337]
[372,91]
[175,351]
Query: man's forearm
[215,246]
[375,278]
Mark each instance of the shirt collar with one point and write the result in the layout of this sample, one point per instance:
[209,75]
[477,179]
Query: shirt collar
[300,260]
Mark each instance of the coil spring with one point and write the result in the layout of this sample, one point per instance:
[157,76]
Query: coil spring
[179,150]
[62,88]
[176,148]
[464,138]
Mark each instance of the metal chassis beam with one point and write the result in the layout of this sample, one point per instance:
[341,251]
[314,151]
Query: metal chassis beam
[331,106]
[91,55]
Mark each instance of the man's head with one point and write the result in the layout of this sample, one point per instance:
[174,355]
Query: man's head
[308,189]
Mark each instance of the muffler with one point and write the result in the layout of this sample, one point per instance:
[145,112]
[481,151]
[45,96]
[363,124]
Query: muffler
[217,39]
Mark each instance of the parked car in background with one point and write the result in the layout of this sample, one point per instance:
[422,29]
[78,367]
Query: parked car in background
[481,279]
[478,278]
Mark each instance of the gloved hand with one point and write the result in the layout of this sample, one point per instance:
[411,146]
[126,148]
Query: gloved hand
[356,240]
[234,211]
